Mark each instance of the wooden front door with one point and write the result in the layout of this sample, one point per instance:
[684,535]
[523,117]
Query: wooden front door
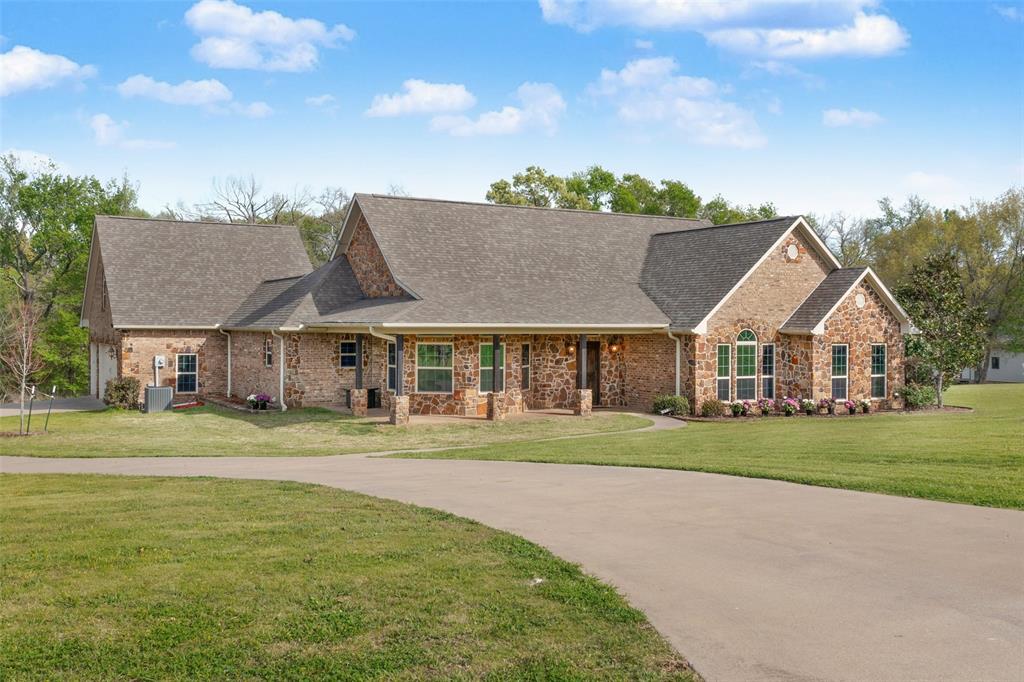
[594,370]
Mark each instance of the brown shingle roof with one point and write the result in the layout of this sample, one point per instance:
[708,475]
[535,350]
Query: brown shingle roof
[177,273]
[821,301]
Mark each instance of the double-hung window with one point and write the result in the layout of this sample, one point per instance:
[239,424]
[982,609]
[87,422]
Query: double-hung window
[392,366]
[268,353]
[878,370]
[768,371]
[487,367]
[433,368]
[724,356]
[524,382]
[840,366]
[186,365]
[746,365]
[347,354]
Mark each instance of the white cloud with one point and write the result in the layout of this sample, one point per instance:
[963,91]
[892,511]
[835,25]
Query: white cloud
[643,44]
[236,37]
[193,93]
[841,118]
[872,35]
[1009,12]
[253,109]
[320,100]
[109,133]
[648,91]
[541,106]
[421,97]
[776,28]
[23,68]
[774,67]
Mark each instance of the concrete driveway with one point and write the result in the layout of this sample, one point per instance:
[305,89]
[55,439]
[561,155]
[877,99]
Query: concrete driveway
[749,579]
[59,405]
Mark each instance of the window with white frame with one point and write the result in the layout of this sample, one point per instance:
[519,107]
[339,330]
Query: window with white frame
[524,382]
[878,364]
[347,354]
[487,366]
[187,367]
[768,371]
[724,357]
[433,368]
[268,353]
[840,367]
[746,365]
[392,366]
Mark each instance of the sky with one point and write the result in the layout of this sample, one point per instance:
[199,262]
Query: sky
[817,106]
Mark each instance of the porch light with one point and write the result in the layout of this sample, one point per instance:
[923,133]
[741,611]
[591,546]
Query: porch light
[571,348]
[614,347]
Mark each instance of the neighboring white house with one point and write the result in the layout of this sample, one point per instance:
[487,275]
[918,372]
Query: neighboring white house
[1003,366]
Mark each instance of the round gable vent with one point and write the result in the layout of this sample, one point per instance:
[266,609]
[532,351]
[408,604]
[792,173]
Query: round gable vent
[860,300]
[792,252]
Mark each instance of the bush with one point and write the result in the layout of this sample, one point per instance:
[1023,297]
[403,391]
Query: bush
[676,404]
[123,393]
[916,396]
[713,408]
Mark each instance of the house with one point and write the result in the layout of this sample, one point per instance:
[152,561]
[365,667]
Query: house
[457,308]
[1004,366]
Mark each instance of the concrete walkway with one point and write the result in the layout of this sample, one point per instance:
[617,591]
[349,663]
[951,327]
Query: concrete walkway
[59,405]
[747,578]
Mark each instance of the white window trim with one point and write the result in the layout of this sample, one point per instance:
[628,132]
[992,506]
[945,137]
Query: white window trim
[388,365]
[764,376]
[525,365]
[884,374]
[268,352]
[177,372]
[846,376]
[354,354]
[728,377]
[450,369]
[736,391]
[480,369]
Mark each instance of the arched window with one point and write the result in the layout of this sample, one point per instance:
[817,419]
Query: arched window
[746,365]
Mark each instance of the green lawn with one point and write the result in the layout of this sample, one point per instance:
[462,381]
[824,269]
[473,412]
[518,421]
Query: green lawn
[146,578]
[216,431]
[975,457]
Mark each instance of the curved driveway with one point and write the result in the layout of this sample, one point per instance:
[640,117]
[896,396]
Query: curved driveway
[747,578]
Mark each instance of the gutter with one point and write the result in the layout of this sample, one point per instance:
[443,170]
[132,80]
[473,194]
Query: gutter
[370,329]
[227,334]
[678,353]
[280,380]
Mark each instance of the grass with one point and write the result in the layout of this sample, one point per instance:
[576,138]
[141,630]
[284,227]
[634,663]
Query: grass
[217,431]
[149,578]
[973,457]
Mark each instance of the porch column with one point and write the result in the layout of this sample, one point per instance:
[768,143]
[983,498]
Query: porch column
[584,396]
[359,360]
[400,401]
[499,376]
[497,408]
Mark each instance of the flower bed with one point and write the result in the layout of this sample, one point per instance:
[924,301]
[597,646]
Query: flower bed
[784,407]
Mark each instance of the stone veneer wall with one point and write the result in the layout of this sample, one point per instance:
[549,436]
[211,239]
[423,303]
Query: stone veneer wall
[860,328]
[762,304]
[368,264]
[648,363]
[248,373]
[138,347]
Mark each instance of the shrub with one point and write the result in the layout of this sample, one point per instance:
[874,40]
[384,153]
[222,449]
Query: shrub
[737,409]
[123,393]
[675,404]
[916,396]
[713,408]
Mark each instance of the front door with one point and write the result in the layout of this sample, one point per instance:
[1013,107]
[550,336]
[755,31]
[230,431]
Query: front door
[594,370]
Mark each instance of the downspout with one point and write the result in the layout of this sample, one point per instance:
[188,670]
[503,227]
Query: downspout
[379,335]
[678,356]
[227,334]
[280,381]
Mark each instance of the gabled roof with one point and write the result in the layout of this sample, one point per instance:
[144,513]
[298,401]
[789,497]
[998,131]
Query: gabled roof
[689,272]
[812,314]
[490,265]
[170,273]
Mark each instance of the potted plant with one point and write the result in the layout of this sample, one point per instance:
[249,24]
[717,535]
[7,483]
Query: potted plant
[258,401]
[851,406]
[747,407]
[865,406]
[737,409]
[790,406]
[823,406]
[766,406]
[808,406]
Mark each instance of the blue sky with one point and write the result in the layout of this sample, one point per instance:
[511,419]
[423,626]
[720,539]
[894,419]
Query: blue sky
[817,106]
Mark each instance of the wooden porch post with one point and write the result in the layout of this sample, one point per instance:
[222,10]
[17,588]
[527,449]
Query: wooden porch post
[581,362]
[359,360]
[399,364]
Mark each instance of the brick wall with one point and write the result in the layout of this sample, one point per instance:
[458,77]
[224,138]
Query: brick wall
[648,365]
[138,347]
[368,264]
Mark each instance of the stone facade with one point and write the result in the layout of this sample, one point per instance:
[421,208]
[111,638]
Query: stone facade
[584,403]
[368,264]
[249,373]
[399,413]
[358,402]
[502,404]
[139,347]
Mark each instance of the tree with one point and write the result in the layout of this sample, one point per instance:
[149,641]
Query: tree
[849,238]
[19,334]
[952,331]
[595,185]
[720,212]
[536,187]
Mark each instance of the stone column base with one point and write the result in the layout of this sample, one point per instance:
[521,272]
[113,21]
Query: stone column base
[399,410]
[497,409]
[584,402]
[357,400]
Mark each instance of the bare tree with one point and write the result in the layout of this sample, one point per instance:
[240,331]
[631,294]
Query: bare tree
[19,333]
[242,200]
[848,237]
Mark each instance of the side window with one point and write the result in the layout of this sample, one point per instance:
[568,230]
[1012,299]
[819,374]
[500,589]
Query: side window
[186,366]
[995,362]
[347,354]
[768,371]
[840,364]
[268,353]
[724,357]
[878,365]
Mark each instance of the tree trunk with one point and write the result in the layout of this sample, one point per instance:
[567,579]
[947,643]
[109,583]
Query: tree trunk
[21,410]
[986,362]
[938,389]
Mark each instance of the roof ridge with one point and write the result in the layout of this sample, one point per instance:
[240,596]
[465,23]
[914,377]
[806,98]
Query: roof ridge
[536,208]
[743,224]
[193,222]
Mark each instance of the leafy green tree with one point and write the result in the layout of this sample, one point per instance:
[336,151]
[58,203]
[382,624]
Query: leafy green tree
[952,331]
[594,184]
[536,187]
[721,212]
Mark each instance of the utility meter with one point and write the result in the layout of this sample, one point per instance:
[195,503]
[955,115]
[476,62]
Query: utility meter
[159,361]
